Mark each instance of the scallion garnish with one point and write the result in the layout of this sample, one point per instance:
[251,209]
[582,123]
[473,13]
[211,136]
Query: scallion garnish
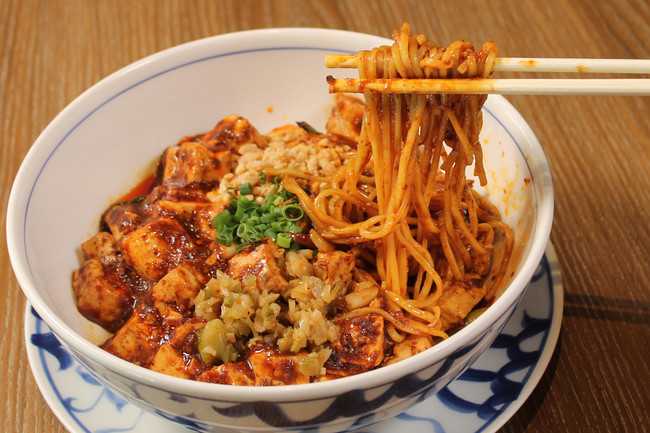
[246,221]
[292,212]
[307,127]
[245,188]
[283,240]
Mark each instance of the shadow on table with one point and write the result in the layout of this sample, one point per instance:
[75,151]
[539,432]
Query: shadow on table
[603,308]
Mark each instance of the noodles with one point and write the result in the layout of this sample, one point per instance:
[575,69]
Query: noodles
[404,196]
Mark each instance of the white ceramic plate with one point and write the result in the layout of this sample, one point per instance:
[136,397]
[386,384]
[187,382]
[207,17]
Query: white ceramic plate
[481,400]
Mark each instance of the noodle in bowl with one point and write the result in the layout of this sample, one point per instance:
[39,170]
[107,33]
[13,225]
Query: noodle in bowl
[107,140]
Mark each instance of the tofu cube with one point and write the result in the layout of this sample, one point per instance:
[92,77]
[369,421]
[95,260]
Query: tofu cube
[457,301]
[122,219]
[411,345]
[231,132]
[177,289]
[170,361]
[101,245]
[346,118]
[271,368]
[334,266]
[100,299]
[195,217]
[138,340]
[193,162]
[260,260]
[360,345]
[236,373]
[155,248]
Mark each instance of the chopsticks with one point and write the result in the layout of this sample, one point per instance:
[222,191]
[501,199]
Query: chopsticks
[504,86]
[510,86]
[527,64]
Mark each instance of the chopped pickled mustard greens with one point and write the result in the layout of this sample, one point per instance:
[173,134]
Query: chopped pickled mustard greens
[213,344]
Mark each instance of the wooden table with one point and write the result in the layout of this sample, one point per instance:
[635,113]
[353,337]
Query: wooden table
[598,147]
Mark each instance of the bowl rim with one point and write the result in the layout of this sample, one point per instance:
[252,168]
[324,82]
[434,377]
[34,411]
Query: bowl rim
[74,342]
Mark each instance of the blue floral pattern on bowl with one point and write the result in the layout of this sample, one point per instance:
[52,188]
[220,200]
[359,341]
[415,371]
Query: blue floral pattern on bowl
[481,399]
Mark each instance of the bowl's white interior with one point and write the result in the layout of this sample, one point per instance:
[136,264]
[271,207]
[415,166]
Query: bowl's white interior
[108,139]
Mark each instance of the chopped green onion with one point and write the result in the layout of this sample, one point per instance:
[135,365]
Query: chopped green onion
[293,228]
[253,221]
[269,233]
[231,191]
[292,212]
[221,220]
[283,240]
[225,238]
[307,127]
[245,188]
[136,199]
[262,176]
[244,202]
[277,226]
[277,212]
[242,231]
[239,213]
[245,221]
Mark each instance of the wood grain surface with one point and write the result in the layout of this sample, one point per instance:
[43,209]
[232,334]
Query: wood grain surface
[598,147]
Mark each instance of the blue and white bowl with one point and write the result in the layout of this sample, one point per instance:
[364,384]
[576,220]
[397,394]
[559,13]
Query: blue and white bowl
[110,137]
